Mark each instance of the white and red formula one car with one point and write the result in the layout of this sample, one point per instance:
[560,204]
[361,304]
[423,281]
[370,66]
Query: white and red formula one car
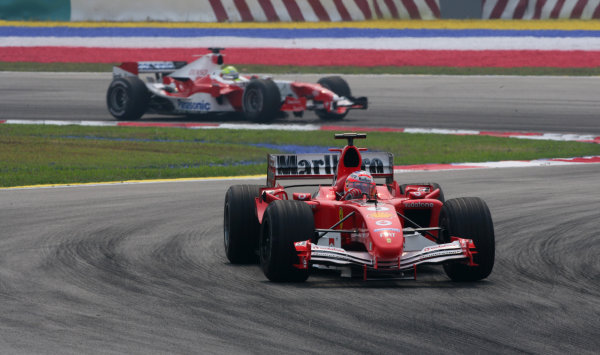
[384,233]
[203,86]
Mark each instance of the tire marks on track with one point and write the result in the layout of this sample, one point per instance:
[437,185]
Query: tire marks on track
[141,268]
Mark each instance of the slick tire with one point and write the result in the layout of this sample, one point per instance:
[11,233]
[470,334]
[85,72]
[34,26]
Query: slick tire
[240,224]
[261,100]
[340,87]
[469,217]
[284,222]
[433,185]
[127,98]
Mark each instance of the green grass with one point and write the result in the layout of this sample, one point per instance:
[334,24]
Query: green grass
[107,67]
[39,154]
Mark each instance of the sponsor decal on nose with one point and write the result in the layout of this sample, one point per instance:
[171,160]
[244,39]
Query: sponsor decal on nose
[383,222]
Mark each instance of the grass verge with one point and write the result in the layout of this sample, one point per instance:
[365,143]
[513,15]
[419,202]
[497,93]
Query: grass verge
[285,69]
[38,154]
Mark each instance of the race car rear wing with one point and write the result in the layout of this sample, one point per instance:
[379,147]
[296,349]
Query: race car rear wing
[324,165]
[135,68]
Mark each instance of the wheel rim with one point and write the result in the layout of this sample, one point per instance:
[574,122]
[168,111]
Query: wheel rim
[118,99]
[253,101]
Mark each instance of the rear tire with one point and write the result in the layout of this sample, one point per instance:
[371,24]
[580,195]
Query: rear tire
[340,87]
[240,224]
[284,222]
[469,217]
[261,100]
[127,98]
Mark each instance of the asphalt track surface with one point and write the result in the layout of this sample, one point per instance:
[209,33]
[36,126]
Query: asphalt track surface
[140,269]
[495,103]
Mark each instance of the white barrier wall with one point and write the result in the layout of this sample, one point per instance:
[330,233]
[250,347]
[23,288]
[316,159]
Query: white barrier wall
[252,10]
[141,10]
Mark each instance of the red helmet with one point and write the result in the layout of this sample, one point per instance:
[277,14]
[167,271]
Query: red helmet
[359,183]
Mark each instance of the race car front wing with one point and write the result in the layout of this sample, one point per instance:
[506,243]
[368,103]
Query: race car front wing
[361,103]
[341,105]
[313,254]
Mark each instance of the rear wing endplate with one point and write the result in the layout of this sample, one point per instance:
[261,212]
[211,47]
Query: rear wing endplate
[324,165]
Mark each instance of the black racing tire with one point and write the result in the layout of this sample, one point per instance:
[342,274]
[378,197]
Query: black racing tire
[127,98]
[434,186]
[284,222]
[340,87]
[469,217]
[261,101]
[240,224]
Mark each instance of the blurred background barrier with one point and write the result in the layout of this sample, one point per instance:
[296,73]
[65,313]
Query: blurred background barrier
[252,10]
[293,10]
[42,10]
[541,9]
[220,10]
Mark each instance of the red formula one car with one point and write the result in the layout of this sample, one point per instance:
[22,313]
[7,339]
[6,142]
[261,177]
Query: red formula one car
[382,233]
[205,86]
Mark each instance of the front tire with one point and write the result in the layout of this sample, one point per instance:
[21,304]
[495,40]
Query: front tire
[127,98]
[261,100]
[284,222]
[469,217]
[341,88]
[240,224]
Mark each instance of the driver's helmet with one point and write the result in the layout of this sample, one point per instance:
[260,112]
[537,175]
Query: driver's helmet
[230,73]
[358,184]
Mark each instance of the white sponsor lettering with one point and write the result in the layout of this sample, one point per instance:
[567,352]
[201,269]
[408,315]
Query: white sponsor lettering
[378,208]
[418,205]
[155,66]
[319,247]
[440,247]
[387,229]
[383,222]
[387,234]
